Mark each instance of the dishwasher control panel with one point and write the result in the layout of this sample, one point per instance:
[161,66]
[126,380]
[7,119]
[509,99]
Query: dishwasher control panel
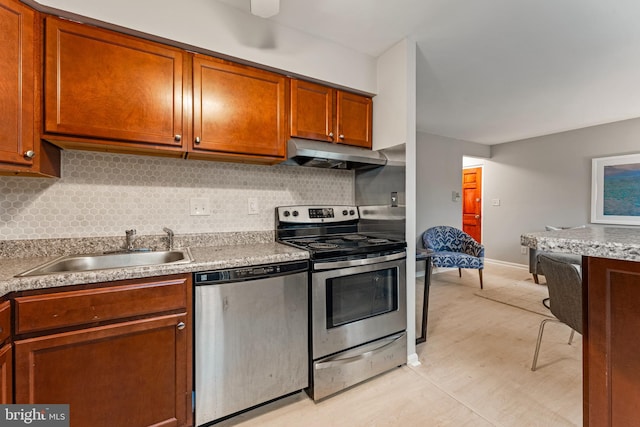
[249,273]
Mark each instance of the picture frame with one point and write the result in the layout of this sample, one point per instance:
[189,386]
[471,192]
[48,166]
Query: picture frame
[615,190]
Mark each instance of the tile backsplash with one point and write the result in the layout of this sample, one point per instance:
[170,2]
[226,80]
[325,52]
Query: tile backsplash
[103,194]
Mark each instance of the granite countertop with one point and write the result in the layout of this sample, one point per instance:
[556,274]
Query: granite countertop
[597,241]
[205,258]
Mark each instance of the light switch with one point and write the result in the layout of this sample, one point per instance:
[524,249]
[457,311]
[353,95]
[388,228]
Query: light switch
[252,206]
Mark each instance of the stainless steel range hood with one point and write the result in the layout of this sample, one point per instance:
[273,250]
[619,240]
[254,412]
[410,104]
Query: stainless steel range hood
[318,154]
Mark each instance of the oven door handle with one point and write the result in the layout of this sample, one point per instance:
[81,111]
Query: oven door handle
[340,361]
[356,262]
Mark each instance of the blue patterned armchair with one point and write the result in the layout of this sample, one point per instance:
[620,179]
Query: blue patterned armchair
[454,248]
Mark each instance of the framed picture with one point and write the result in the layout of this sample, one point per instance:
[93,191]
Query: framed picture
[615,190]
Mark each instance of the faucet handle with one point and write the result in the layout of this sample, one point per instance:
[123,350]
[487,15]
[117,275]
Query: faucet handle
[130,232]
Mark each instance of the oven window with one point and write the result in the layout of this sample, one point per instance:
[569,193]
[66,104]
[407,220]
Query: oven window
[359,296]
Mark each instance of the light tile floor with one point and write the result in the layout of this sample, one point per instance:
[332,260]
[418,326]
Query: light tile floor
[475,370]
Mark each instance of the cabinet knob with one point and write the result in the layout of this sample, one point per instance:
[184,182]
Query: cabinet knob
[341,136]
[178,138]
[477,216]
[30,154]
[331,134]
[197,140]
[181,326]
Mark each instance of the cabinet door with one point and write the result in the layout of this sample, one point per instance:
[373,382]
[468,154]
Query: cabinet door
[312,112]
[127,374]
[6,374]
[17,23]
[238,110]
[611,365]
[111,87]
[354,115]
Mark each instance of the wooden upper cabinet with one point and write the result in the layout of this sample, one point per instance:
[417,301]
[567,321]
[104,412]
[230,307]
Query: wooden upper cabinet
[312,111]
[354,114]
[326,114]
[109,89]
[239,112]
[20,150]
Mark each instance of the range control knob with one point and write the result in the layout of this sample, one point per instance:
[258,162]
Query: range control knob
[286,213]
[295,213]
[345,212]
[352,212]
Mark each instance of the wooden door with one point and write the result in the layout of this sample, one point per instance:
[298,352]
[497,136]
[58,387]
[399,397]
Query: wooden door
[125,374]
[354,119]
[238,110]
[17,80]
[312,111]
[111,87]
[472,202]
[611,366]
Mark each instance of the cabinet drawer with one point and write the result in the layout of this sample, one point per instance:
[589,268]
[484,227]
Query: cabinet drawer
[89,306]
[5,321]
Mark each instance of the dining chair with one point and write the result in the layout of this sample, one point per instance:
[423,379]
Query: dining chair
[565,297]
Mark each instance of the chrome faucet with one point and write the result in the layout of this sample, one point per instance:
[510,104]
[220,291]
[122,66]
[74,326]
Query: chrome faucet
[129,237]
[170,236]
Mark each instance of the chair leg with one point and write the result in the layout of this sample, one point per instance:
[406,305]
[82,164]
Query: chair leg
[571,336]
[480,273]
[540,331]
[535,279]
[459,272]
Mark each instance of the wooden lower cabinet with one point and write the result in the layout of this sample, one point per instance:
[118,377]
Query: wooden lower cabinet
[119,353]
[6,374]
[611,361]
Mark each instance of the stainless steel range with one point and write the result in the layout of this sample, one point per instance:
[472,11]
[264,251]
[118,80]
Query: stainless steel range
[357,295]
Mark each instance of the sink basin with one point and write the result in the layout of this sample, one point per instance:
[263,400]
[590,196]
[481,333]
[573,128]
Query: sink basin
[75,263]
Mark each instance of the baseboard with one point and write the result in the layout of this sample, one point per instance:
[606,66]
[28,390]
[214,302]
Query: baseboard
[413,360]
[510,264]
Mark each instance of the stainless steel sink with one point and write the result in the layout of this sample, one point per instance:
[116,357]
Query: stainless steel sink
[74,263]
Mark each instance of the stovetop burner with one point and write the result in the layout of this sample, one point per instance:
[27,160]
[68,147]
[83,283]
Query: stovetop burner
[376,241]
[322,245]
[354,237]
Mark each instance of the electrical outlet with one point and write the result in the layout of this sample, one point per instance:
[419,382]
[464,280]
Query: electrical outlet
[199,207]
[523,250]
[252,206]
[495,202]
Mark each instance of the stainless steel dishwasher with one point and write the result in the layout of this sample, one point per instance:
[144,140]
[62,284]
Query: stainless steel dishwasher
[251,337]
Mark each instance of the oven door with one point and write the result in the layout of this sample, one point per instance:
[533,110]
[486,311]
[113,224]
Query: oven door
[355,305]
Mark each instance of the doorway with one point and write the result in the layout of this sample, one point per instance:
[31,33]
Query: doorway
[472,202]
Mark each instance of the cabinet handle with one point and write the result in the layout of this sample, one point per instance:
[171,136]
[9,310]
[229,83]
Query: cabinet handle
[178,138]
[331,134]
[341,136]
[477,217]
[29,154]
[197,141]
[181,326]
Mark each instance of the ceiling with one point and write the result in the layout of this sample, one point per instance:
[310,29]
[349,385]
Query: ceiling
[495,71]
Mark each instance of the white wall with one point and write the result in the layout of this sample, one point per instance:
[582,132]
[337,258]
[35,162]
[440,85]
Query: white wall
[215,26]
[390,106]
[439,173]
[546,181]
